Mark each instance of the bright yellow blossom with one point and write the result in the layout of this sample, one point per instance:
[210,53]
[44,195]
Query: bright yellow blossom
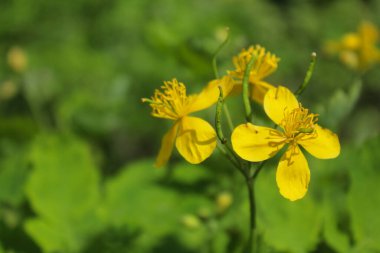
[264,65]
[299,127]
[358,50]
[195,138]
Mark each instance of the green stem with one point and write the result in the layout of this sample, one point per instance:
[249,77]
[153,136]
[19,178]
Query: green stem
[221,46]
[252,216]
[258,169]
[228,117]
[227,153]
[218,113]
[246,101]
[308,75]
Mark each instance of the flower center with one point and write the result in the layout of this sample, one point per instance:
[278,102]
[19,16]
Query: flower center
[299,124]
[171,102]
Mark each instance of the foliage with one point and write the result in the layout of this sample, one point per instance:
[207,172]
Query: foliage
[77,145]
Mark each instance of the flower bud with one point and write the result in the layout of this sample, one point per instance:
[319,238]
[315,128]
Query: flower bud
[17,59]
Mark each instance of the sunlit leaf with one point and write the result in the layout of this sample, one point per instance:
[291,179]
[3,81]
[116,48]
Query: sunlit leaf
[63,192]
[363,199]
[286,226]
[153,203]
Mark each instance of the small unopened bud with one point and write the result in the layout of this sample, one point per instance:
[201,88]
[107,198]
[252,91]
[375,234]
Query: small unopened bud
[8,89]
[223,201]
[190,221]
[17,59]
[222,33]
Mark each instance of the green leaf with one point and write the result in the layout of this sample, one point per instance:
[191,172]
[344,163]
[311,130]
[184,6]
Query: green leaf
[339,106]
[285,226]
[363,199]
[141,198]
[64,193]
[333,236]
[13,175]
[330,183]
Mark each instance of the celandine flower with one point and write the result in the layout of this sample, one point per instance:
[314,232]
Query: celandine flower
[299,127]
[264,65]
[358,50]
[195,138]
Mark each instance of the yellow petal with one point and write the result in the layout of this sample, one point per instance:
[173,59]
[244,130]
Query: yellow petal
[324,146]
[369,32]
[210,94]
[350,41]
[196,139]
[277,101]
[167,144]
[256,143]
[259,89]
[293,174]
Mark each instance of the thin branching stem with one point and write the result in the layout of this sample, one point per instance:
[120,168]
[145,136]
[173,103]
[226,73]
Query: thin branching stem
[218,124]
[221,46]
[308,75]
[246,101]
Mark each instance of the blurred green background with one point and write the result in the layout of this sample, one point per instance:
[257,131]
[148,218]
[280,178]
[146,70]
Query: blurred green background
[77,146]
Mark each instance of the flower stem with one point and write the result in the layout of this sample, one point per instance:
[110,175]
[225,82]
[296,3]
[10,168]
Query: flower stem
[221,46]
[246,101]
[228,117]
[308,75]
[252,216]
[218,113]
[216,73]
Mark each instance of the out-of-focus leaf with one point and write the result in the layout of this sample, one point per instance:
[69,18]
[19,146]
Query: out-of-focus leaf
[338,106]
[17,127]
[63,191]
[95,111]
[286,226]
[329,184]
[143,199]
[364,124]
[333,235]
[363,199]
[13,174]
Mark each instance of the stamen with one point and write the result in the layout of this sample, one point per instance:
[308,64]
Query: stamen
[171,102]
[265,64]
[299,123]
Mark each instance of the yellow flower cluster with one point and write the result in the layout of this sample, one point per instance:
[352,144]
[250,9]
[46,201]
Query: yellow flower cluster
[357,50]
[195,139]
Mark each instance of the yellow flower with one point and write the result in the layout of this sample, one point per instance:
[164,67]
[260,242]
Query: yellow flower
[195,138]
[299,127]
[358,50]
[264,65]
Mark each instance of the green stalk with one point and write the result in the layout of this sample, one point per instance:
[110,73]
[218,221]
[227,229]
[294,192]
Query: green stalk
[252,216]
[246,101]
[218,113]
[221,46]
[308,75]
